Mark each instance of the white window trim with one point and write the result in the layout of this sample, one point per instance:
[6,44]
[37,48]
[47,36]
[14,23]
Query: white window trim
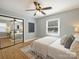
[57,34]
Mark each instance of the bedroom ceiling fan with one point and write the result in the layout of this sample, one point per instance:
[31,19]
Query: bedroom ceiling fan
[39,8]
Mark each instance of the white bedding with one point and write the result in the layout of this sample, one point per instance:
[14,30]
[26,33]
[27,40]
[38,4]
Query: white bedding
[57,51]
[51,46]
[41,45]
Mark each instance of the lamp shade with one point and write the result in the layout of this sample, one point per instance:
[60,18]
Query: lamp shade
[76,29]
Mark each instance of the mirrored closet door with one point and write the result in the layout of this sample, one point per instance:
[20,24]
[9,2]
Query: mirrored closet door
[18,31]
[11,31]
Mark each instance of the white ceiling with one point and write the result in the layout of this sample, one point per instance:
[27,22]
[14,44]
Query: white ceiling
[19,6]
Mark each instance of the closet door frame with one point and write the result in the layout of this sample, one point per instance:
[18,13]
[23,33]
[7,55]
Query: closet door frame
[14,31]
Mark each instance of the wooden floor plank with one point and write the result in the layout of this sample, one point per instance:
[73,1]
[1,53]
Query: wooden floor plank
[1,55]
[14,52]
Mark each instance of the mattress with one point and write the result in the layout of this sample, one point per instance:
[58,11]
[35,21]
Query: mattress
[41,45]
[3,35]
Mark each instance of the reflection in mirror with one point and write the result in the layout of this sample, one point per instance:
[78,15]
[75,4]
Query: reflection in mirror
[5,31]
[11,31]
[18,31]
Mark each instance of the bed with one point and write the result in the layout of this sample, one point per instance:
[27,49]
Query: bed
[40,46]
[57,51]
[4,35]
[51,47]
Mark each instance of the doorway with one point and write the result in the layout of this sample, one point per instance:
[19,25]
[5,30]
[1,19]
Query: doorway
[11,31]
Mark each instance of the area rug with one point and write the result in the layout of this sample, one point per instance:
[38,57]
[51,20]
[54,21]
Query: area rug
[31,55]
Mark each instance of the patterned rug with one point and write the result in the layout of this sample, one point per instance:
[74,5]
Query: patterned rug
[31,55]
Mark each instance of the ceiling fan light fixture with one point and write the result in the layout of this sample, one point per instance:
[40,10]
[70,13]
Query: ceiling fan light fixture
[39,9]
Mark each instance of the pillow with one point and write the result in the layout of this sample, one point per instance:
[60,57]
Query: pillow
[63,39]
[74,45]
[70,40]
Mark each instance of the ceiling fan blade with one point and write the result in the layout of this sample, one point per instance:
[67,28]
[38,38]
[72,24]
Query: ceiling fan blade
[36,3]
[43,12]
[31,10]
[46,8]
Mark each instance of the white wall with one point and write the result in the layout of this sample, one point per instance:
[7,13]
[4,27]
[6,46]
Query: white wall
[27,34]
[26,20]
[67,20]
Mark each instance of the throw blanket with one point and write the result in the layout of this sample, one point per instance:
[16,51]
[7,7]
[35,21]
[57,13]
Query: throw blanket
[41,45]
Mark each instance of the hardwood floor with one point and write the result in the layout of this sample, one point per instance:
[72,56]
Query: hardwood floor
[14,52]
[6,42]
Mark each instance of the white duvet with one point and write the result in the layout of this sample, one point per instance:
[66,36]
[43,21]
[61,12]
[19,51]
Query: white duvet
[41,45]
[51,46]
[57,51]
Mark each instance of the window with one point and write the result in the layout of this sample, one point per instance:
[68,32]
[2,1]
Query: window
[53,27]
